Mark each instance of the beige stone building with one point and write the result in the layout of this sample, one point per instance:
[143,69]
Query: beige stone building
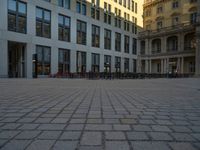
[170,40]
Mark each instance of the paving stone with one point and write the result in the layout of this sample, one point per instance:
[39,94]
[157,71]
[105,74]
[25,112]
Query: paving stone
[49,135]
[8,134]
[27,135]
[160,136]
[182,146]
[10,126]
[99,127]
[91,138]
[183,137]
[28,126]
[146,121]
[78,121]
[2,142]
[60,120]
[70,135]
[128,121]
[115,136]
[65,145]
[137,136]
[121,127]
[16,145]
[150,146]
[51,127]
[117,145]
[181,129]
[41,144]
[77,127]
[142,128]
[161,128]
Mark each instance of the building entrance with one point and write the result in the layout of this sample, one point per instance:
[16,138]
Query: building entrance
[16,60]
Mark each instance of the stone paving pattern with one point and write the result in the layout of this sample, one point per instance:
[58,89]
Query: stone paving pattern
[63,114]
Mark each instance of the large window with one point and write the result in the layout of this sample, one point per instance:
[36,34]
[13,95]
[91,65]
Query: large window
[118,64]
[81,62]
[126,65]
[81,32]
[64,3]
[107,63]
[95,36]
[126,43]
[43,22]
[95,62]
[117,42]
[117,18]
[64,61]
[107,13]
[81,7]
[44,60]
[64,28]
[107,39]
[126,21]
[193,17]
[95,10]
[134,46]
[134,66]
[17,16]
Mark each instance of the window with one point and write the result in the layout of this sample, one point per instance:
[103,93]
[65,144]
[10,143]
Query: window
[17,16]
[107,63]
[126,21]
[126,43]
[193,18]
[175,4]
[81,62]
[126,65]
[107,13]
[133,6]
[159,25]
[81,7]
[95,11]
[44,60]
[81,32]
[175,20]
[159,9]
[64,28]
[64,3]
[134,66]
[43,22]
[117,18]
[124,3]
[134,25]
[95,36]
[64,61]
[172,44]
[118,64]
[136,8]
[134,46]
[117,42]
[95,62]
[107,39]
[158,67]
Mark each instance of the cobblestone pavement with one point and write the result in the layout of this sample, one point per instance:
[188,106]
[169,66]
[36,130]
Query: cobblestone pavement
[63,114]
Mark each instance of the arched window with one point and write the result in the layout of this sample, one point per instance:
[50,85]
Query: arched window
[189,41]
[156,46]
[172,43]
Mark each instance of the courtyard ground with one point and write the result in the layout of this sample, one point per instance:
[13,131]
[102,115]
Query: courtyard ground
[63,114]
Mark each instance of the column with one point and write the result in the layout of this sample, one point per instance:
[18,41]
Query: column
[30,50]
[178,65]
[101,63]
[182,65]
[146,66]
[162,66]
[112,63]
[72,61]
[150,63]
[89,61]
[54,60]
[167,65]
[3,58]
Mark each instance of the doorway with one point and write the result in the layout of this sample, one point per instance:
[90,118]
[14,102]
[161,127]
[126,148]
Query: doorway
[16,60]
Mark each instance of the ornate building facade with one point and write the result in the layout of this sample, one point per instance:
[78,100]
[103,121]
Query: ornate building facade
[169,42]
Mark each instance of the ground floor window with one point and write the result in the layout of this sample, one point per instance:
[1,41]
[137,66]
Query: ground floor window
[95,62]
[107,63]
[64,61]
[44,60]
[81,62]
[118,64]
[126,65]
